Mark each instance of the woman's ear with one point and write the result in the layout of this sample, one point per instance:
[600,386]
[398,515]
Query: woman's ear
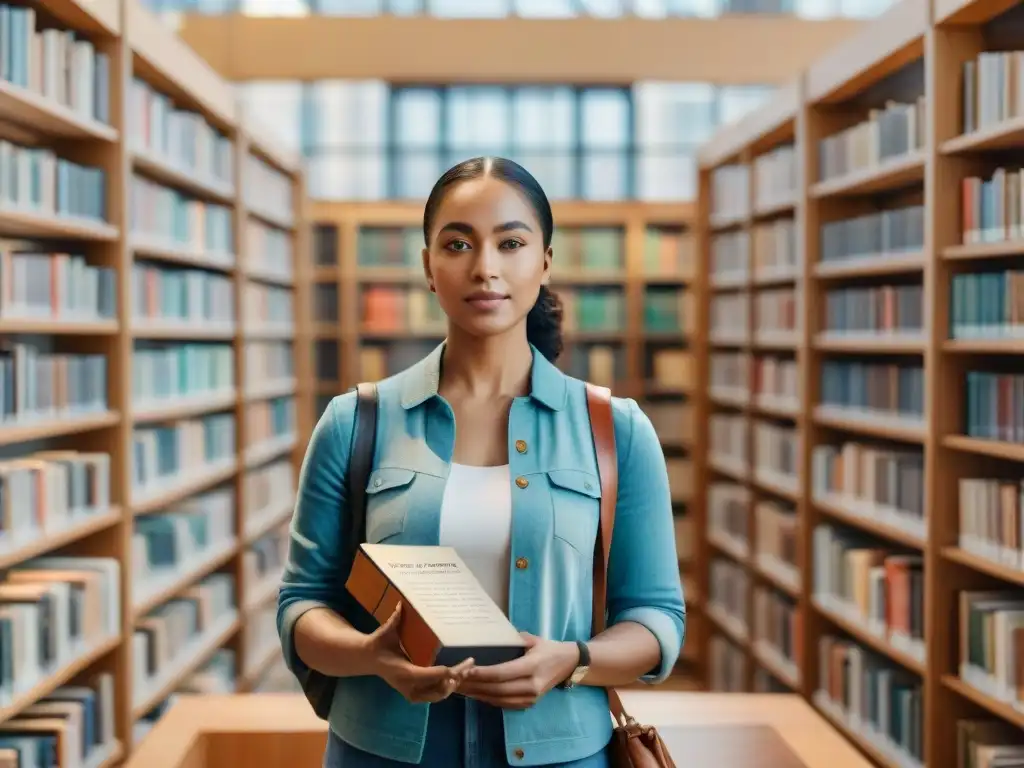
[426,269]
[549,254]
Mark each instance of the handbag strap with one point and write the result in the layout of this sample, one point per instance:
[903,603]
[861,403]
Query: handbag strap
[361,460]
[602,426]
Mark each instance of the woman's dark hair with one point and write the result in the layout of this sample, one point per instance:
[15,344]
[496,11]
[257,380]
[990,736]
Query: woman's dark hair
[544,322]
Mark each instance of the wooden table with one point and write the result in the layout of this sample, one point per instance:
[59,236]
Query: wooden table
[703,730]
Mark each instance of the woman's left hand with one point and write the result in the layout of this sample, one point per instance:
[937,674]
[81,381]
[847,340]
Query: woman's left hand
[519,683]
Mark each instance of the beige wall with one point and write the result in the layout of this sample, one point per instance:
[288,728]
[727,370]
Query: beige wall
[729,50]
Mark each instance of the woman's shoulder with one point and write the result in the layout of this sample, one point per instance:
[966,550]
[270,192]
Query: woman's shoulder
[628,418]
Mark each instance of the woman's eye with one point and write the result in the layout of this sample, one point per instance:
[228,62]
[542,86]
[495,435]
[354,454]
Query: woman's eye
[457,245]
[512,245]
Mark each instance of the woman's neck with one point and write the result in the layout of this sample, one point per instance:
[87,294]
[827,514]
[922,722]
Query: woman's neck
[495,366]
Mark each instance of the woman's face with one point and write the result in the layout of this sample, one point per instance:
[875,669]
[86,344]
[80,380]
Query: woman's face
[486,258]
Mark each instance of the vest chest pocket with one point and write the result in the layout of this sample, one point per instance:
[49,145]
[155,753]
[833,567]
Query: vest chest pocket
[386,505]
[576,507]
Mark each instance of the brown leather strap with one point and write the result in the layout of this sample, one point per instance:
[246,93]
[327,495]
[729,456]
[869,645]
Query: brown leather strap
[602,425]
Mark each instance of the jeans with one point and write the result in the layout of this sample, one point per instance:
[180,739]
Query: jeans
[461,733]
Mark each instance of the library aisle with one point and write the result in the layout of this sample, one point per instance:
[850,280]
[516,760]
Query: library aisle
[861,236]
[152,404]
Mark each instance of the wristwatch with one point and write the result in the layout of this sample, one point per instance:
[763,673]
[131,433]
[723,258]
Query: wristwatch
[582,667]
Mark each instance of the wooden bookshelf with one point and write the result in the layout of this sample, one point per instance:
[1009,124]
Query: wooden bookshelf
[130,293]
[374,316]
[911,242]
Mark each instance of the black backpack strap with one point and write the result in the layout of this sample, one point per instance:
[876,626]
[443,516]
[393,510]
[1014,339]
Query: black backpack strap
[361,460]
[318,688]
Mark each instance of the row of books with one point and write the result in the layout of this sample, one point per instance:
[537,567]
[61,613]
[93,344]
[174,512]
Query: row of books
[36,283]
[393,309]
[873,698]
[995,406]
[163,217]
[874,390]
[166,547]
[729,317]
[269,252]
[40,182]
[56,64]
[72,727]
[776,382]
[727,665]
[991,643]
[875,310]
[776,310]
[44,493]
[775,248]
[987,305]
[164,295]
[776,177]
[992,90]
[729,374]
[777,453]
[170,456]
[268,363]
[268,192]
[168,374]
[667,252]
[730,192]
[991,519]
[668,310]
[54,609]
[38,385]
[878,588]
[180,137]
[263,563]
[168,639]
[729,518]
[268,420]
[879,482]
[873,235]
[778,630]
[601,364]
[267,307]
[672,420]
[730,257]
[269,493]
[729,590]
[727,440]
[992,208]
[669,369]
[775,536]
[596,310]
[895,130]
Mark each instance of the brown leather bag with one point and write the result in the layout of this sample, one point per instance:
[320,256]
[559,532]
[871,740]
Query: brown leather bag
[633,745]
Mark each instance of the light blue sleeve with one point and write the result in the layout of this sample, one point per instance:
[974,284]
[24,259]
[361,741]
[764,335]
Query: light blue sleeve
[644,585]
[317,560]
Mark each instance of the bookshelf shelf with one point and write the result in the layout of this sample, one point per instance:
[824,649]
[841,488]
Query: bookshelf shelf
[130,316]
[909,444]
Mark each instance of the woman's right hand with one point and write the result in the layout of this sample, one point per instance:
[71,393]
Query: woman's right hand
[417,684]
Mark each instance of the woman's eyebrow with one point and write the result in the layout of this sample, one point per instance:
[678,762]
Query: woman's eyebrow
[467,229]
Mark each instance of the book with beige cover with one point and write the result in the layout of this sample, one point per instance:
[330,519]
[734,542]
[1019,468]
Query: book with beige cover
[447,616]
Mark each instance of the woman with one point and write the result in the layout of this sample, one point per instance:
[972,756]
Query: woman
[485,445]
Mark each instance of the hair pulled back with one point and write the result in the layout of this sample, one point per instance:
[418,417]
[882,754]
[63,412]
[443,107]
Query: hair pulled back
[544,321]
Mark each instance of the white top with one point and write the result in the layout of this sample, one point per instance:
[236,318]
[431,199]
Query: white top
[476,519]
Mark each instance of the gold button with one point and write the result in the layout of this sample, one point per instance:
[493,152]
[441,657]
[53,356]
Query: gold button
[522,482]
[521,563]
[521,446]
[519,754]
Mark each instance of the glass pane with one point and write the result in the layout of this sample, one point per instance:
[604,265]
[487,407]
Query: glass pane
[670,114]
[470,9]
[554,170]
[863,9]
[544,9]
[274,7]
[734,101]
[338,174]
[605,118]
[417,171]
[348,7]
[348,113]
[417,118]
[544,117]
[406,7]
[478,119]
[277,106]
[605,176]
[817,9]
[666,175]
[605,9]
[659,9]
